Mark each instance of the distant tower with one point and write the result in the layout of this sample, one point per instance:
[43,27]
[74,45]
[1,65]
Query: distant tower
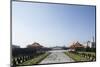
[93,39]
[88,42]
[93,43]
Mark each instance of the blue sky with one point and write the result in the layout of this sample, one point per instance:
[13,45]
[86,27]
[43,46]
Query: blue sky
[51,24]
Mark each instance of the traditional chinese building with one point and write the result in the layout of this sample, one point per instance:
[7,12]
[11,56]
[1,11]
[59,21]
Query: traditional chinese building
[76,46]
[34,45]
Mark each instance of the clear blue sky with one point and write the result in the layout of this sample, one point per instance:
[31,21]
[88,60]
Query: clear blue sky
[51,24]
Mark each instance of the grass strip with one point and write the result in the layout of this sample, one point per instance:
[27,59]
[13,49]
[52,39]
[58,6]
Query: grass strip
[76,57]
[35,60]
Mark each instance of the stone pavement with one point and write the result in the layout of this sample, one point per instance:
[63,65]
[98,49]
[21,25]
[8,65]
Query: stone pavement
[56,56]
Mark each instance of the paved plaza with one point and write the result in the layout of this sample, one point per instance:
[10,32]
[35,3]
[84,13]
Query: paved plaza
[56,56]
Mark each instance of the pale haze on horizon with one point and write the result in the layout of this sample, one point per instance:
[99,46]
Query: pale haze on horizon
[51,24]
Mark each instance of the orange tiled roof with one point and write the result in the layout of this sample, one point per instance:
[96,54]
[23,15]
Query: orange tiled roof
[34,45]
[76,45]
